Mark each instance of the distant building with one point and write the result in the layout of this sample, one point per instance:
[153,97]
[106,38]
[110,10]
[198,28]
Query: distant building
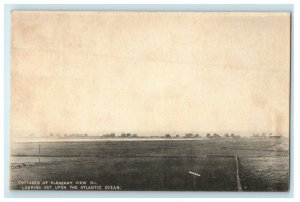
[216,135]
[275,136]
[188,135]
[167,136]
[111,135]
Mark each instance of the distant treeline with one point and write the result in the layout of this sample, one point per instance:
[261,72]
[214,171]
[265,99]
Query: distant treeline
[68,135]
[264,135]
[168,135]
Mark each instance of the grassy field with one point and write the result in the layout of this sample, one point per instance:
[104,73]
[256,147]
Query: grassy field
[157,165]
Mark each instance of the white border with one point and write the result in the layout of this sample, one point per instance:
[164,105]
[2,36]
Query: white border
[296,74]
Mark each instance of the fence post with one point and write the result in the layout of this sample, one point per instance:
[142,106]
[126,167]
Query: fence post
[39,153]
[238,181]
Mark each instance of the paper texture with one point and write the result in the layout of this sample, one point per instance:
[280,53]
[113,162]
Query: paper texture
[78,76]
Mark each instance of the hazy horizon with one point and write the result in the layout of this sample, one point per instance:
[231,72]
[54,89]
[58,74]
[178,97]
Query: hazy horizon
[148,134]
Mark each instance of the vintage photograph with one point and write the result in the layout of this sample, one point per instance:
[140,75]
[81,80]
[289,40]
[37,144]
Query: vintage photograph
[150,101]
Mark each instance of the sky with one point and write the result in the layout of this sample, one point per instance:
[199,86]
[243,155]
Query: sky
[149,72]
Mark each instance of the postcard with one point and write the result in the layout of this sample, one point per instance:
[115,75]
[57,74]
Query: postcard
[150,101]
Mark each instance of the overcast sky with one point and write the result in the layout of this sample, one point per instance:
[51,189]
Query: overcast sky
[143,72]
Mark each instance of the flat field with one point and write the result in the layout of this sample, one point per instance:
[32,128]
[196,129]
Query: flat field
[156,165]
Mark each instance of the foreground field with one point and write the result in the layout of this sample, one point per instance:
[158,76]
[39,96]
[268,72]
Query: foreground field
[156,165]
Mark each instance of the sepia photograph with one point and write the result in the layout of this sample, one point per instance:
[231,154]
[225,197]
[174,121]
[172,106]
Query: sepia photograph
[150,101]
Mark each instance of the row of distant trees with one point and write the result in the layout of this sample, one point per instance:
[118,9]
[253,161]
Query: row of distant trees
[68,135]
[226,135]
[129,135]
[208,135]
[187,135]
[264,135]
[111,135]
[108,135]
